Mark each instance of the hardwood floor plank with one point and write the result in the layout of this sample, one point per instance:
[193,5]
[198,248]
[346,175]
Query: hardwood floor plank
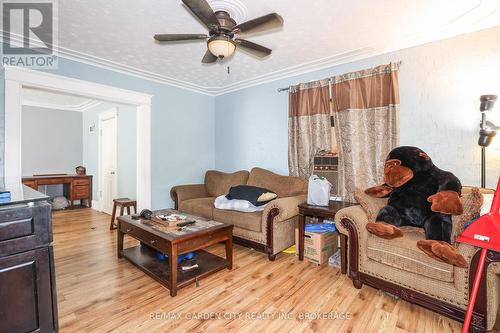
[97,292]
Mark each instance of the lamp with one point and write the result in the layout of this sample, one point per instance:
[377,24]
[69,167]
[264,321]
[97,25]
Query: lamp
[487,131]
[221,46]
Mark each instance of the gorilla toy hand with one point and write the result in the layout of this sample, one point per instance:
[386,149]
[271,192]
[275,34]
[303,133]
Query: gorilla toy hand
[446,202]
[380,191]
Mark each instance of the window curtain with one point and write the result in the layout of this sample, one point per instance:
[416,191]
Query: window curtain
[309,125]
[366,113]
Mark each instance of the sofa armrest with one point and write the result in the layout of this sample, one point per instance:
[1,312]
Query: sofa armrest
[355,214]
[278,222]
[283,208]
[185,192]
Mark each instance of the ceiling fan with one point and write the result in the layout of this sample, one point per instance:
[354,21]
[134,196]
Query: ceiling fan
[222,30]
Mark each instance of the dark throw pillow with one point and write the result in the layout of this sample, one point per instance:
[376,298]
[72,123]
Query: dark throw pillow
[257,196]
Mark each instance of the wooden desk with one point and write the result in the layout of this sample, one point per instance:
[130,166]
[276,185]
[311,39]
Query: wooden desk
[79,187]
[327,212]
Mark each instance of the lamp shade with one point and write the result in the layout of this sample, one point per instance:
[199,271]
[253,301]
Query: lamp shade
[485,137]
[221,46]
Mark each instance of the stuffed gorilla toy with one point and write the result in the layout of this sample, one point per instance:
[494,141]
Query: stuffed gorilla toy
[420,195]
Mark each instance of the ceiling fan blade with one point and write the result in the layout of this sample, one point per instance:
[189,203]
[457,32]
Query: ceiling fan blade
[208,58]
[253,48]
[204,12]
[266,22]
[178,37]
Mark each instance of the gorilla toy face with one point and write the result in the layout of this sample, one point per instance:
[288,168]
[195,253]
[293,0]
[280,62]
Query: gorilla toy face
[403,163]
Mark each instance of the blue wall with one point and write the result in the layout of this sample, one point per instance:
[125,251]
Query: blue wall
[182,127]
[440,85]
[251,127]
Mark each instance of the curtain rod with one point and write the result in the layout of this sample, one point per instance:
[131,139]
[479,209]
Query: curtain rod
[288,88]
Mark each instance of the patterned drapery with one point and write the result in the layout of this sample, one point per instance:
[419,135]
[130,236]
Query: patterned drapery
[366,112]
[309,127]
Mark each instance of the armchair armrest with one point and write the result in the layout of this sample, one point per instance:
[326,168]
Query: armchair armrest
[283,209]
[355,214]
[185,192]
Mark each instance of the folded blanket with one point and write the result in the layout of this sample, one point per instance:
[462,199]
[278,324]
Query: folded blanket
[222,202]
[257,196]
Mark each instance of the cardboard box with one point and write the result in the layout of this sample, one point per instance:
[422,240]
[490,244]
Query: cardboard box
[318,246]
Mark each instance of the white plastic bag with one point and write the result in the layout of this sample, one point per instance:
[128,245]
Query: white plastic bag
[318,191]
[59,203]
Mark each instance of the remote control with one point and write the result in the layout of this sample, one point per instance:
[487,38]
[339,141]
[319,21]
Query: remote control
[184,224]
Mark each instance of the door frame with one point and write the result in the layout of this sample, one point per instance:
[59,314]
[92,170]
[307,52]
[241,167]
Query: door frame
[112,113]
[16,78]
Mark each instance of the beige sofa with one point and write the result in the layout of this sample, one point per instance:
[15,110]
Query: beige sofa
[400,268]
[269,231]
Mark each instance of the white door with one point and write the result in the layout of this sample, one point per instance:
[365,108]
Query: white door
[107,160]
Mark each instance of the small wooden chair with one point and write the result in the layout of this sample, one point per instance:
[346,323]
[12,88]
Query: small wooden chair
[122,203]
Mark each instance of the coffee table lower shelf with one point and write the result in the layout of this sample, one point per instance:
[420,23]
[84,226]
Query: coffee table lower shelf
[145,258]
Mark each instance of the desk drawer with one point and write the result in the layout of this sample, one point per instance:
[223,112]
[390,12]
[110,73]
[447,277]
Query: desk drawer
[83,181]
[53,181]
[81,192]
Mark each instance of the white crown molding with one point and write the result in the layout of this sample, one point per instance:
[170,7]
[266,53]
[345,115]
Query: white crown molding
[64,107]
[99,62]
[471,21]
[33,78]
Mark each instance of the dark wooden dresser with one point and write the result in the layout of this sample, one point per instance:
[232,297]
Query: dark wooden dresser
[27,278]
[76,187]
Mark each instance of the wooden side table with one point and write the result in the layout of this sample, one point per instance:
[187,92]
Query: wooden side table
[323,212]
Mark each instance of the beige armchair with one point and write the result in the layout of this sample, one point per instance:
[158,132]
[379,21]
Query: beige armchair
[397,266]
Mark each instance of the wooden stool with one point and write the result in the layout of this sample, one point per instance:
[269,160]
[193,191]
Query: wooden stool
[122,203]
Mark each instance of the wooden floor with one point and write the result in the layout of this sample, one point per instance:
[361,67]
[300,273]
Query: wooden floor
[99,293]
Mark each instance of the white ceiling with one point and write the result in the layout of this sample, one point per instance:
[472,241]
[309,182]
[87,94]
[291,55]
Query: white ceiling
[55,100]
[316,34]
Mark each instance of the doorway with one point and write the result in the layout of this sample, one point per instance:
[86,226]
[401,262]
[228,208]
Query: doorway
[108,155]
[16,78]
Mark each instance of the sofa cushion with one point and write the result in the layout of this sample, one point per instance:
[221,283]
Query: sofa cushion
[201,206]
[248,221]
[257,196]
[218,183]
[402,253]
[283,186]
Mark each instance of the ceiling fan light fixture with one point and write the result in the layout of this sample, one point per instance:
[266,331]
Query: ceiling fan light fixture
[221,46]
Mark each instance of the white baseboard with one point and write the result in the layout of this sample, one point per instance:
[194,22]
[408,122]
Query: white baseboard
[96,205]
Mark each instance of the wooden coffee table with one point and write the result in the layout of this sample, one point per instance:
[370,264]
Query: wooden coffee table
[155,237]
